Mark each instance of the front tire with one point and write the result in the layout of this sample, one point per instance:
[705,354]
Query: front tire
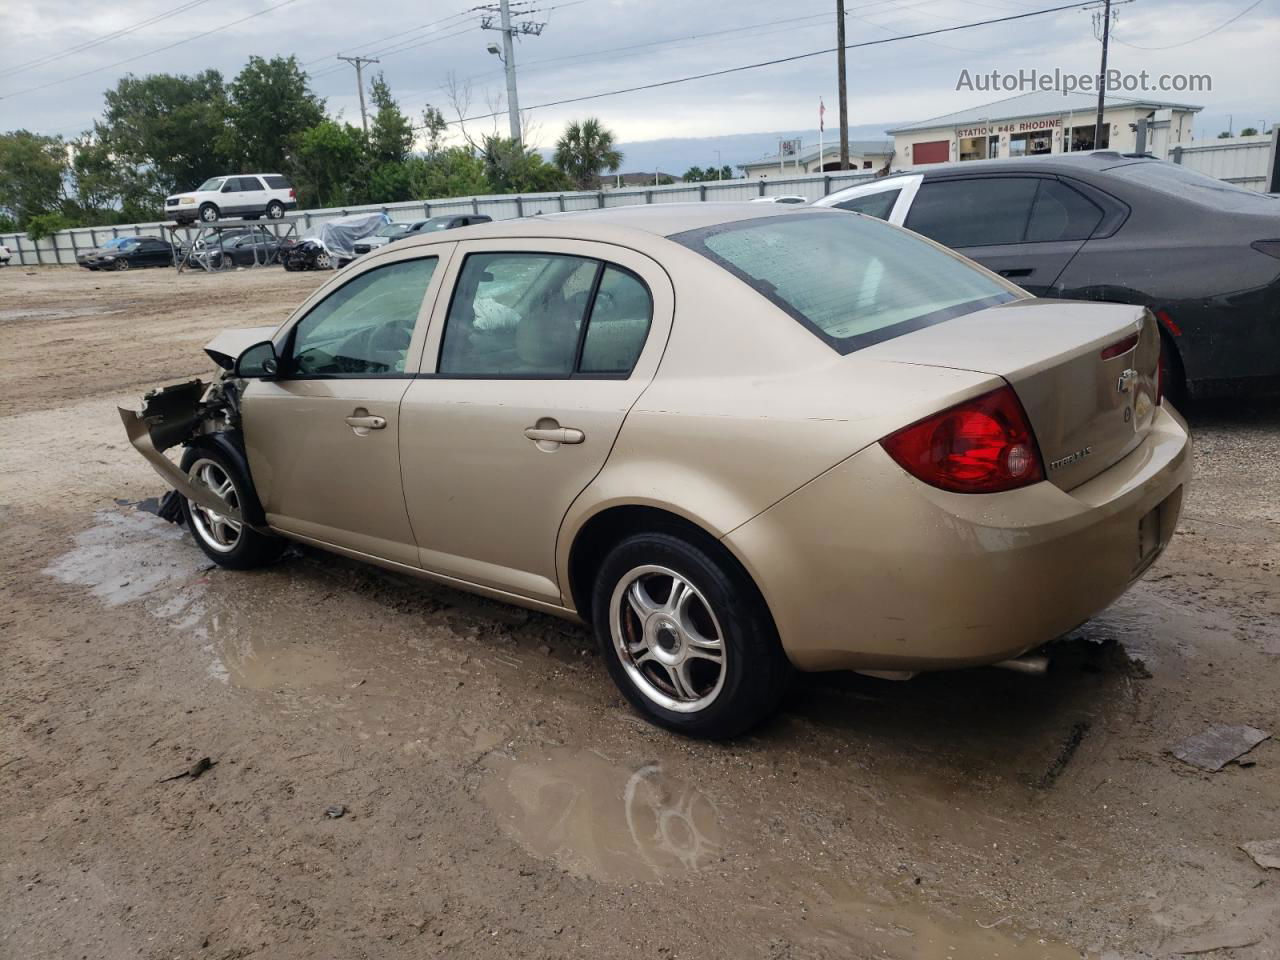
[226,542]
[323,261]
[122,264]
[209,213]
[687,637]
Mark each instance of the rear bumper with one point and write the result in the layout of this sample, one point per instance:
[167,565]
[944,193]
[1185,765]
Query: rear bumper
[867,568]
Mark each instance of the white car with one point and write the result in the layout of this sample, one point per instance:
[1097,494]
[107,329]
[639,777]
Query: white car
[249,196]
[5,255]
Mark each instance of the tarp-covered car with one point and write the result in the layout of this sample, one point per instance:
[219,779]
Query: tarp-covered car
[329,245]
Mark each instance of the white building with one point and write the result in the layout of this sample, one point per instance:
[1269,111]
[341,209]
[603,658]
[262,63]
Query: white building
[1042,122]
[863,155]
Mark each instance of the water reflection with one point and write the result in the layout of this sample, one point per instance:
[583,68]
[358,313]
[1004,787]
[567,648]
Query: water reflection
[603,820]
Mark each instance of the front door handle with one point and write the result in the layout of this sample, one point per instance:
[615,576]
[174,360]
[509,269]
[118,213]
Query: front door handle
[368,423]
[555,434]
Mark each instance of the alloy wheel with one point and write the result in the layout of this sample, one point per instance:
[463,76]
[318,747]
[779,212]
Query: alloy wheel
[667,639]
[218,532]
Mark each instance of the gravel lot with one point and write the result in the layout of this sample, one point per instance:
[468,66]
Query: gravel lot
[499,800]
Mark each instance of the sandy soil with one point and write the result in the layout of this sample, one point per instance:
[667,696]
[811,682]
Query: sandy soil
[500,799]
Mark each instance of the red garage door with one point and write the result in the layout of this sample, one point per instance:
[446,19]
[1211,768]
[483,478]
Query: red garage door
[935,151]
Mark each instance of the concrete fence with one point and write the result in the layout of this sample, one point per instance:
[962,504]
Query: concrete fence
[62,248]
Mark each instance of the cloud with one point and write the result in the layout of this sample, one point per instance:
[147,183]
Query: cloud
[594,46]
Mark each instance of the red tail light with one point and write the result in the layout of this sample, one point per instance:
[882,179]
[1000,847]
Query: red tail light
[984,445]
[293,194]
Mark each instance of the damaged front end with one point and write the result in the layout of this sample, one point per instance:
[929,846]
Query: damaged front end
[194,412]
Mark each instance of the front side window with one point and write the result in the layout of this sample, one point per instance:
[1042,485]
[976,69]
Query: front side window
[852,281]
[973,213]
[878,205]
[543,315]
[364,327]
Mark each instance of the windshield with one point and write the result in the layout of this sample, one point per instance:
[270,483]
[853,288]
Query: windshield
[127,244]
[208,185]
[1178,181]
[393,230]
[851,280]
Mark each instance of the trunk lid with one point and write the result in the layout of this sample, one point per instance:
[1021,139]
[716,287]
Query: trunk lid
[1086,373]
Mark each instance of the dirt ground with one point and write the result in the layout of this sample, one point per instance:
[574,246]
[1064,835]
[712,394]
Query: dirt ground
[500,800]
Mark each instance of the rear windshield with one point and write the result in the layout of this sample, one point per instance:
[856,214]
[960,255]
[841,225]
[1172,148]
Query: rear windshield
[1178,181]
[851,280]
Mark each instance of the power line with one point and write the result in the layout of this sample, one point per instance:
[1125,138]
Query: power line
[1174,46]
[87,44]
[393,36]
[392,51]
[168,46]
[781,60]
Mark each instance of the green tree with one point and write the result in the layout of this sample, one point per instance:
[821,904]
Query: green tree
[510,168]
[167,128]
[448,172]
[694,175]
[434,126]
[584,149]
[270,106]
[329,159]
[1249,132]
[108,188]
[726,173]
[47,224]
[391,133]
[1224,135]
[32,172]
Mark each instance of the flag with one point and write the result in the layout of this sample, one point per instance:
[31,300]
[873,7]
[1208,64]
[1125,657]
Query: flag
[822,112]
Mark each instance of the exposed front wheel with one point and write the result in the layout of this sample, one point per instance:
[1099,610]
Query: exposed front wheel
[226,541]
[323,261]
[687,637]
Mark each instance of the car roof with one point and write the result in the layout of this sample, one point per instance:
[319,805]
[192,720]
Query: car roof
[1093,161]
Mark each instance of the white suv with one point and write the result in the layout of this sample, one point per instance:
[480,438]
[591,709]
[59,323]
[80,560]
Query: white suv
[250,196]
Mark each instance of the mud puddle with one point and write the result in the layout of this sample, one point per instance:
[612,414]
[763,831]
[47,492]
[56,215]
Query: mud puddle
[617,823]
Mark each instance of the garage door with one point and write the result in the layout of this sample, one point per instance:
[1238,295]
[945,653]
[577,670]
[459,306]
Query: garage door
[935,151]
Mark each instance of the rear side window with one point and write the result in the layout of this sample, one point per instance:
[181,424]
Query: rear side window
[278,183]
[973,213]
[543,315]
[250,183]
[852,281]
[1061,213]
[878,205]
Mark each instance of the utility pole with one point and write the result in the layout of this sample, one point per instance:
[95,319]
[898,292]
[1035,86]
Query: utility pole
[360,63]
[1102,72]
[508,54]
[844,90]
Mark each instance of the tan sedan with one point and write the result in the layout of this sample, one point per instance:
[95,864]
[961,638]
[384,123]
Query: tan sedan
[733,438]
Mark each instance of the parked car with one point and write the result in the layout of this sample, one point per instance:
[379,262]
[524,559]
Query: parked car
[5,255]
[398,231]
[245,250]
[788,198]
[734,438]
[1204,255]
[329,244]
[123,253]
[249,195]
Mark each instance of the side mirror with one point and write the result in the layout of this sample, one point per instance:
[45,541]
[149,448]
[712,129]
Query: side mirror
[258,362]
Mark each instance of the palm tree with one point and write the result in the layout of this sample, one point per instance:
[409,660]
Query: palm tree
[584,150]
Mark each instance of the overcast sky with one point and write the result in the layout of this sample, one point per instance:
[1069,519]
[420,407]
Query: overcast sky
[591,46]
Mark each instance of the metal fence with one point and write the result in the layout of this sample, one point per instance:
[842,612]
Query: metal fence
[63,247]
[1244,161]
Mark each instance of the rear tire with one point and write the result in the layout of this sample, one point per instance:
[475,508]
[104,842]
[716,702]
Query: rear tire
[275,210]
[687,637]
[237,547]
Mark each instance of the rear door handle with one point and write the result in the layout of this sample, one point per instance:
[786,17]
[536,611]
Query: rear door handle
[555,434]
[1019,272]
[367,423]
